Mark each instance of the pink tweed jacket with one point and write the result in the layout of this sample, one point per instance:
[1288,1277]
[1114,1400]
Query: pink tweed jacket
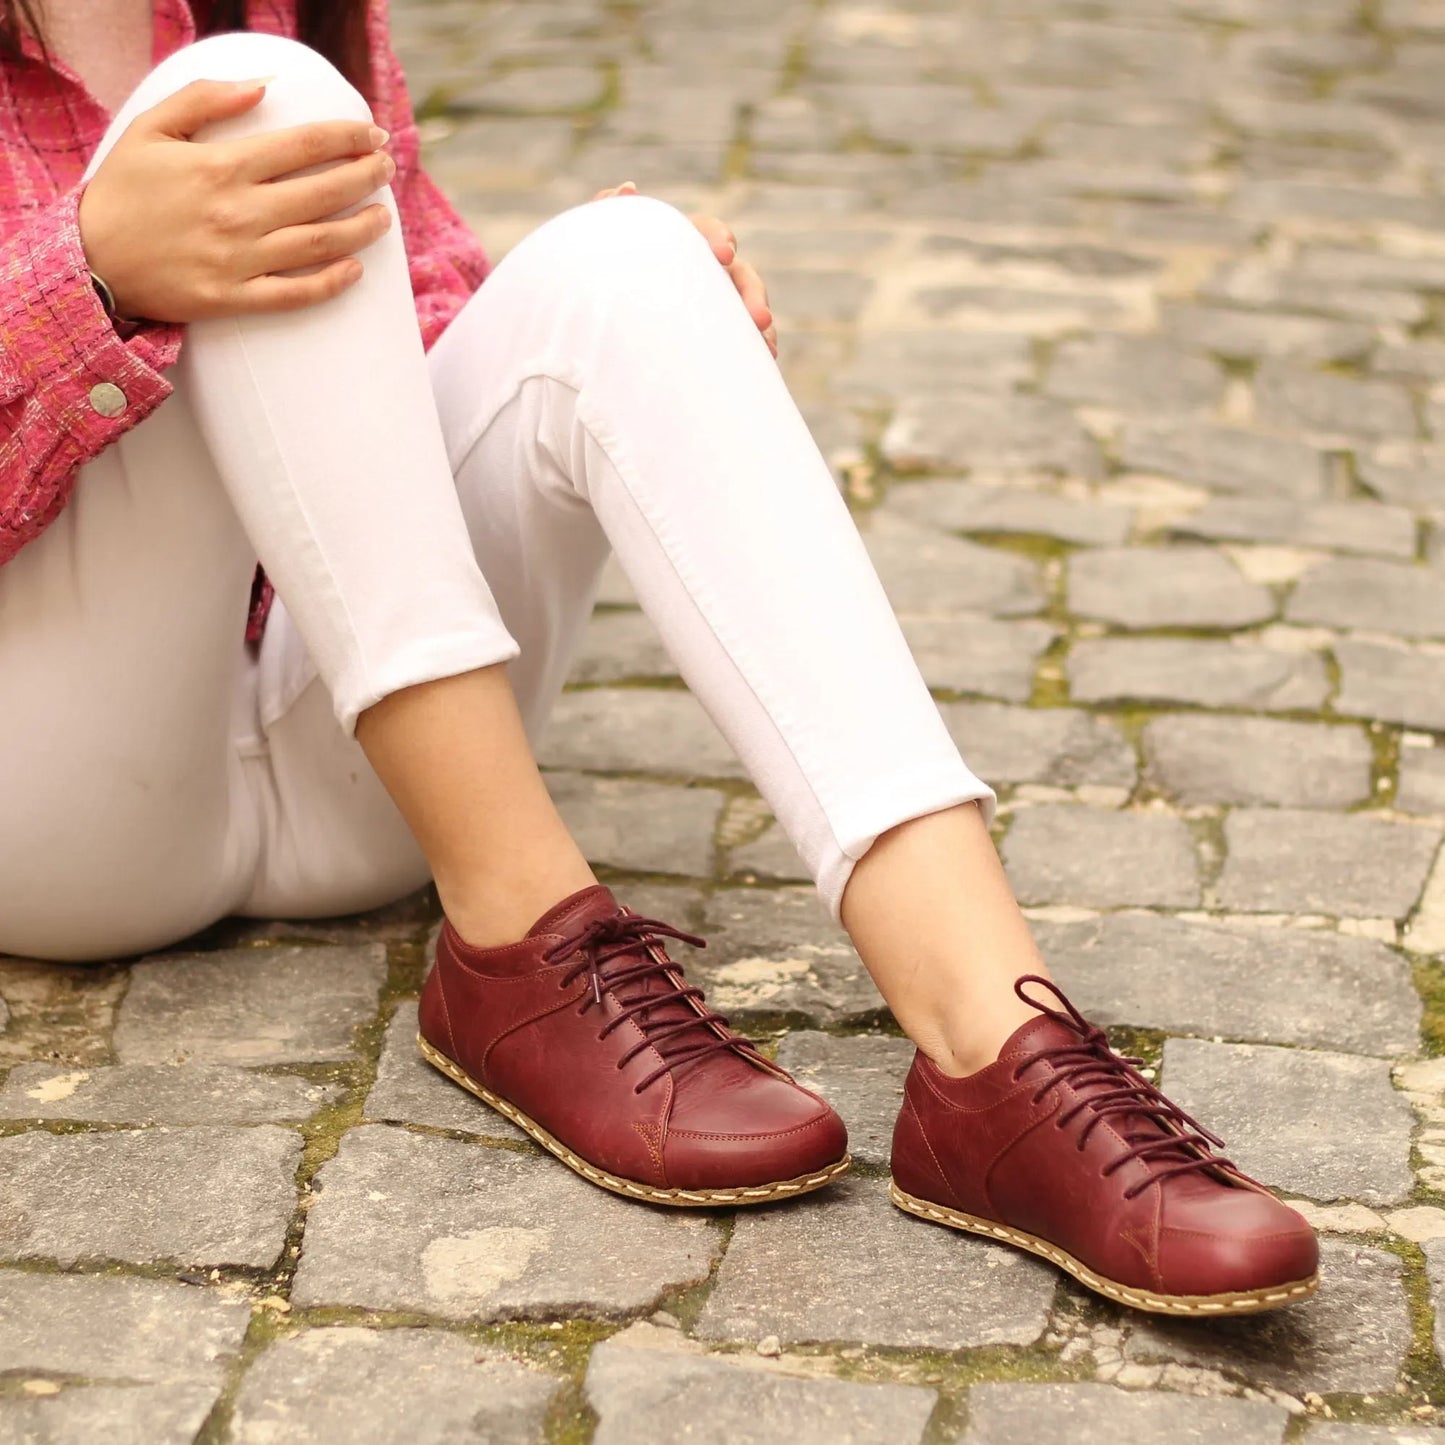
[56,342]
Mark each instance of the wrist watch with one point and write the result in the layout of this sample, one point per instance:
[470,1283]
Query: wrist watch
[124,325]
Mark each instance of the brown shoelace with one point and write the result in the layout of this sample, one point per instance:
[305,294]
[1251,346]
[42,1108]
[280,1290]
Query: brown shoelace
[1163,1136]
[649,990]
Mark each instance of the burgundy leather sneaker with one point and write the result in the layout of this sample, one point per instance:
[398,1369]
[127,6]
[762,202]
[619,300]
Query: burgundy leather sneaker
[1063,1148]
[587,1035]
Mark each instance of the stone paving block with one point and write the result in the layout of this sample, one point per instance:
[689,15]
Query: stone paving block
[1134,373]
[1195,758]
[1338,526]
[853,1267]
[977,654]
[1422,781]
[386,1387]
[667,1396]
[249,1006]
[160,1094]
[1250,335]
[770,856]
[1290,398]
[1434,1250]
[862,1078]
[1257,284]
[1165,587]
[964,506]
[121,1331]
[1327,1126]
[892,364]
[1413,477]
[928,572]
[775,951]
[1373,1435]
[1224,458]
[118,1414]
[1197,671]
[208,1196]
[1304,861]
[1102,859]
[640,730]
[464,1231]
[540,91]
[1373,595]
[408,1090]
[619,646]
[1391,682]
[1351,1337]
[1102,1415]
[1060,747]
[1018,433]
[1278,985]
[650,827]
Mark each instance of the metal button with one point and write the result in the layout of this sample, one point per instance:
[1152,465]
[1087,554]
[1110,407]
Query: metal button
[107,398]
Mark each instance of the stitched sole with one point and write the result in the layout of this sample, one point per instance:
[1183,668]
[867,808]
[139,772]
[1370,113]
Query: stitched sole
[1250,1302]
[678,1198]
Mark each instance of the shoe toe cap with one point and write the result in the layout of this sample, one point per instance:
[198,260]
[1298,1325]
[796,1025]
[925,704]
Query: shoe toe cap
[1240,1242]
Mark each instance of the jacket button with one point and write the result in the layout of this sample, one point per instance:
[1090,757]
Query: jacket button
[107,398]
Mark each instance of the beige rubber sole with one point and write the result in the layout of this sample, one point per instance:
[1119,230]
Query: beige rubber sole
[1194,1305]
[630,1188]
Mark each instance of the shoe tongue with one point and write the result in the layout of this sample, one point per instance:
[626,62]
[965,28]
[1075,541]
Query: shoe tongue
[575,913]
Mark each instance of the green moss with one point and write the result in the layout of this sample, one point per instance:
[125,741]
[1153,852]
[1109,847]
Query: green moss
[1429,976]
[1384,765]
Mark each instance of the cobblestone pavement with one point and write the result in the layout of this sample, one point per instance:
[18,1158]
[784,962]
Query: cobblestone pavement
[1123,325]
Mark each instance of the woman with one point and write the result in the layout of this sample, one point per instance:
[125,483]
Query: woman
[217,279]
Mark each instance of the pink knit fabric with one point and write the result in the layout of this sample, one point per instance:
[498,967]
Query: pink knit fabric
[56,342]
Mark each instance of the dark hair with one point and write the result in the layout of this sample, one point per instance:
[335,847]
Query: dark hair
[337,28]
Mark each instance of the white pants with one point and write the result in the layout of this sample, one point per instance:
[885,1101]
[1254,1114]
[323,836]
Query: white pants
[421,517]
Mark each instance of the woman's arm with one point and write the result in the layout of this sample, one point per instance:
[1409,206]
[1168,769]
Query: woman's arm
[446,260]
[69,385]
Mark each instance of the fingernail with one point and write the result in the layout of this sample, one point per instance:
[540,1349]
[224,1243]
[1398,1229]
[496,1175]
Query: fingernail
[379,137]
[390,166]
[628,186]
[261,80]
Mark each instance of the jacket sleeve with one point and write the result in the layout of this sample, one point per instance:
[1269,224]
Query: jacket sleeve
[446,259]
[57,346]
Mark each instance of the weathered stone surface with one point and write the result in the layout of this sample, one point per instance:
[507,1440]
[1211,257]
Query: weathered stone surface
[1068,854]
[236,1185]
[964,506]
[637,730]
[169,1414]
[1434,1250]
[382,1387]
[1018,433]
[1224,458]
[1164,587]
[1373,595]
[1328,1126]
[537,91]
[1102,1415]
[1134,373]
[1250,335]
[1392,683]
[160,1094]
[1281,985]
[775,951]
[926,572]
[665,1394]
[408,1090]
[1374,1435]
[1303,861]
[1339,526]
[620,646]
[1289,398]
[977,654]
[770,856]
[1060,747]
[1199,759]
[407,1222]
[249,1006]
[1413,478]
[1422,781]
[1198,671]
[647,826]
[1352,1336]
[894,364]
[859,1269]
[862,1078]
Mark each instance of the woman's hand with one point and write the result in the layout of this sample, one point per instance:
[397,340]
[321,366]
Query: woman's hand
[181,231]
[725,247]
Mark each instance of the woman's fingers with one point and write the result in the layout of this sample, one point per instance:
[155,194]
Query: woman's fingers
[321,242]
[293,293]
[719,235]
[754,293]
[313,198]
[279,153]
[627,188]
